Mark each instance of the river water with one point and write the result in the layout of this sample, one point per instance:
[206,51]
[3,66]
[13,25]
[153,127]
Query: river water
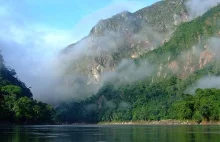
[110,133]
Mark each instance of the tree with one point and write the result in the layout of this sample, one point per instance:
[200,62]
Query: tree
[11,90]
[208,103]
[23,109]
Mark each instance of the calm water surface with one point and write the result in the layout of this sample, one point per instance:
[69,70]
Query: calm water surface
[109,133]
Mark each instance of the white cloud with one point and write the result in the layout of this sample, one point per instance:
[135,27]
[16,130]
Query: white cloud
[199,7]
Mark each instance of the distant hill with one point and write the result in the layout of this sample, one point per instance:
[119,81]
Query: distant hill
[16,102]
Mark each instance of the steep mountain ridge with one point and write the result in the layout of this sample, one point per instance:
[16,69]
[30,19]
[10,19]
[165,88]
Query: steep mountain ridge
[125,35]
[160,16]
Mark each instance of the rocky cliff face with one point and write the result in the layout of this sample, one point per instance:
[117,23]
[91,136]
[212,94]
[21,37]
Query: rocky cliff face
[187,63]
[125,35]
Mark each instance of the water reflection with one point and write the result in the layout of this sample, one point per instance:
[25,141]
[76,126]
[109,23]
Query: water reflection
[109,133]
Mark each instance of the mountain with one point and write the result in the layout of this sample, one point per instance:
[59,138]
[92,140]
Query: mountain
[125,35]
[186,62]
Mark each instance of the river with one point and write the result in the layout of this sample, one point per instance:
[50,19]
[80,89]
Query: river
[110,133]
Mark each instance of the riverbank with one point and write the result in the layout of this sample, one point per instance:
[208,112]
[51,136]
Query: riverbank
[161,122]
[2,123]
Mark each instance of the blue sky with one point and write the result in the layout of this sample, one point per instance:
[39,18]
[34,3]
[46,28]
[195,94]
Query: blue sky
[58,22]
[66,15]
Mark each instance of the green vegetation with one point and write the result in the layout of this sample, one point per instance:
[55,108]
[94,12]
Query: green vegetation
[164,99]
[205,105]
[16,103]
